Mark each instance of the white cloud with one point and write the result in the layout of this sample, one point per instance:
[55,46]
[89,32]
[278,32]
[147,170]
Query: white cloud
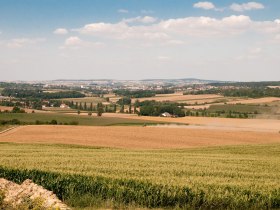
[124,11]
[139,19]
[60,31]
[73,41]
[180,29]
[246,6]
[204,5]
[239,21]
[277,21]
[22,42]
[104,29]
[206,26]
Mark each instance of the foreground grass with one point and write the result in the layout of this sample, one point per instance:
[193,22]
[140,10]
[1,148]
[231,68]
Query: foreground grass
[66,118]
[239,177]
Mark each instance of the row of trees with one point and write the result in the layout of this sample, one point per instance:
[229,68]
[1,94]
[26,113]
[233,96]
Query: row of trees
[241,92]
[40,94]
[141,93]
[154,108]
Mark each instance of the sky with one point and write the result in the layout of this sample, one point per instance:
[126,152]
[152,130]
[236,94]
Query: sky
[140,39]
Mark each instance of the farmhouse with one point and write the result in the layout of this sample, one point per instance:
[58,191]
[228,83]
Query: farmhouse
[64,106]
[166,114]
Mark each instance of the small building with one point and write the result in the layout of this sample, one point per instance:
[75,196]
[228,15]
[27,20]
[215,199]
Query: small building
[166,114]
[64,106]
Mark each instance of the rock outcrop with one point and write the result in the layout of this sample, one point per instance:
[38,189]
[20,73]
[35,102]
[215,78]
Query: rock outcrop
[15,194]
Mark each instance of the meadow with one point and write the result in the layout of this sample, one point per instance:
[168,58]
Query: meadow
[67,118]
[232,177]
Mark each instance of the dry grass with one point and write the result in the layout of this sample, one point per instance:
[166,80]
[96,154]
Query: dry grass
[137,137]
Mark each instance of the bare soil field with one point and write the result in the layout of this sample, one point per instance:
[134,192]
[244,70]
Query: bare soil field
[267,125]
[179,97]
[136,137]
[6,108]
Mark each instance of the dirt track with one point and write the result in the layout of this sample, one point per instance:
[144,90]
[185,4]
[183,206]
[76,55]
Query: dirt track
[137,137]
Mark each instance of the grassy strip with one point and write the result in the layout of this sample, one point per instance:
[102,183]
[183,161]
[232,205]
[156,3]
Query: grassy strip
[67,118]
[144,194]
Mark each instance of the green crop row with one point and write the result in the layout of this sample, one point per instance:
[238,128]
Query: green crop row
[124,191]
[233,177]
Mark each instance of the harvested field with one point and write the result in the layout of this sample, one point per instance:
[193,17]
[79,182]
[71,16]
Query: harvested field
[177,97]
[268,125]
[6,108]
[136,137]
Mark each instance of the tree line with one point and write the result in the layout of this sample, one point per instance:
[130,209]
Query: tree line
[142,93]
[154,108]
[241,92]
[40,94]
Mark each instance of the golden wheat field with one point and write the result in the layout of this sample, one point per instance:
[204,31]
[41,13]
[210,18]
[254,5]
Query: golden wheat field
[137,137]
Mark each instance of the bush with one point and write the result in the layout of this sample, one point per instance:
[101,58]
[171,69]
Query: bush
[17,110]
[73,123]
[53,122]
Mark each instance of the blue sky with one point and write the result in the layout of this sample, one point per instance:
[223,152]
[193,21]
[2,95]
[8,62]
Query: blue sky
[138,39]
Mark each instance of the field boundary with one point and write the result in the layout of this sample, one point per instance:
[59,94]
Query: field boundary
[8,129]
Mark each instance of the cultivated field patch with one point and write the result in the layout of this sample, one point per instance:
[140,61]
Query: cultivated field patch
[137,137]
[239,177]
[181,97]
[268,125]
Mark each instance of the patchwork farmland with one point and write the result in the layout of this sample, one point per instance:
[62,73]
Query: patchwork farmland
[116,156]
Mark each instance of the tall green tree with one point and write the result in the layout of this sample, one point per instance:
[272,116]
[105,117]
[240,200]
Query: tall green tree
[100,109]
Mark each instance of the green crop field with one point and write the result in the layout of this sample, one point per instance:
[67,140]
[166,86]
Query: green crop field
[67,118]
[237,177]
[242,108]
